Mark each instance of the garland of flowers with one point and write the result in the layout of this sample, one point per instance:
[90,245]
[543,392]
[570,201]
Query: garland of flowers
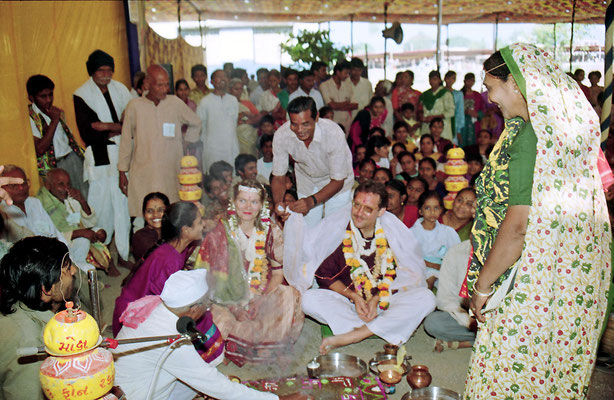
[384,272]
[255,250]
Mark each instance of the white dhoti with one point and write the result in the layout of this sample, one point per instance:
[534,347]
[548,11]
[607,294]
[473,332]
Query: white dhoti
[333,204]
[79,248]
[395,325]
[111,207]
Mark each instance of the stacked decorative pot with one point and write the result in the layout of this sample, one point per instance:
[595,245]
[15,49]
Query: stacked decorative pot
[455,168]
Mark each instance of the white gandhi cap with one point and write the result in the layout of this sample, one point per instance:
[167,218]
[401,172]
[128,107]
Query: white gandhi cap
[184,288]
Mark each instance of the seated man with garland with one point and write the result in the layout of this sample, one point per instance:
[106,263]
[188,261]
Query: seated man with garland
[368,266]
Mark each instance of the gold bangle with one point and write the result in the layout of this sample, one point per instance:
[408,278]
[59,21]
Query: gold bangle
[477,292]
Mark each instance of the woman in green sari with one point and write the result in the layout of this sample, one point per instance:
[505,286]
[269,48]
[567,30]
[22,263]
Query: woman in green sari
[540,270]
[437,102]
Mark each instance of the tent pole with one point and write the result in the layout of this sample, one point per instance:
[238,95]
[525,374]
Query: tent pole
[609,57]
[352,33]
[439,19]
[179,18]
[496,32]
[385,39]
[554,34]
[573,22]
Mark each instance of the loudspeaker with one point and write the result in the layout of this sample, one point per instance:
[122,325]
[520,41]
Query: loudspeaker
[394,32]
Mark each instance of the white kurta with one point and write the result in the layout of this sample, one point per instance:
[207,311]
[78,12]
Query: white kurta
[135,365]
[37,221]
[363,91]
[219,134]
[314,94]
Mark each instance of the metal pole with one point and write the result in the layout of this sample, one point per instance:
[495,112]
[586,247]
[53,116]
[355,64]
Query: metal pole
[92,281]
[439,19]
[179,18]
[554,34]
[496,32]
[385,39]
[573,21]
[352,33]
[609,57]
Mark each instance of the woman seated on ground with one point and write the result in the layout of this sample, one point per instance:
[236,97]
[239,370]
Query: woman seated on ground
[382,175]
[397,197]
[370,117]
[181,226]
[395,167]
[154,207]
[257,315]
[460,217]
[415,187]
[407,162]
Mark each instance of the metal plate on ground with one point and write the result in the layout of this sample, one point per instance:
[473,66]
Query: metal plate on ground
[338,364]
[431,393]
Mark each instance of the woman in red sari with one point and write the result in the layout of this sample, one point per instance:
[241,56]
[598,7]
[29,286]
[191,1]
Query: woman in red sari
[372,116]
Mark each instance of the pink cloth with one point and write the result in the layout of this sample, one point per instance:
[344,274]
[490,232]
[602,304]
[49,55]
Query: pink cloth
[139,310]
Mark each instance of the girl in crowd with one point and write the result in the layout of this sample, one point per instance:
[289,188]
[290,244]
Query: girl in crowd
[377,150]
[483,147]
[181,226]
[257,314]
[155,206]
[460,217]
[404,93]
[182,90]
[474,110]
[395,167]
[407,162]
[382,175]
[402,135]
[366,169]
[415,187]
[397,197]
[435,239]
[370,117]
[359,155]
[427,148]
[427,168]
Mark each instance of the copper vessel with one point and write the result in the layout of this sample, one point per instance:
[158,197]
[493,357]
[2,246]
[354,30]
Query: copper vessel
[419,377]
[391,349]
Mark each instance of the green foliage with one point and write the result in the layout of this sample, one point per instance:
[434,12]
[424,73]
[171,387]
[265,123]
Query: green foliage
[307,47]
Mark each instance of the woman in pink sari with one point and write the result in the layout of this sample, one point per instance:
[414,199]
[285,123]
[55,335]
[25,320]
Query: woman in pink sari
[372,116]
[404,93]
[256,313]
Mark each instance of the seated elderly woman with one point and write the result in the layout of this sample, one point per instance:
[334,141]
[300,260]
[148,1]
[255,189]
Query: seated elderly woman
[460,217]
[256,314]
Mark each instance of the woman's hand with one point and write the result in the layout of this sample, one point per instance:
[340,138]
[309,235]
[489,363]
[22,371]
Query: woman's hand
[477,303]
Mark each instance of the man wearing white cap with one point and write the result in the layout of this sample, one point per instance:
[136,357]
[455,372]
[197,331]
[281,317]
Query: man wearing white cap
[184,294]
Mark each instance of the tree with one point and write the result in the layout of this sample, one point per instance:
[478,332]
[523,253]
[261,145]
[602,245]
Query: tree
[306,47]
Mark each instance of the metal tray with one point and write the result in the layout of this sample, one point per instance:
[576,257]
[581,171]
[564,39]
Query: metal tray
[338,364]
[431,393]
[379,357]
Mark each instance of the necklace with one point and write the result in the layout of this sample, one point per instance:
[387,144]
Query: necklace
[363,278]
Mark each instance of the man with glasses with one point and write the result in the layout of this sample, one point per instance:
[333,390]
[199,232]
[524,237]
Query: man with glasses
[370,273]
[322,163]
[37,276]
[27,217]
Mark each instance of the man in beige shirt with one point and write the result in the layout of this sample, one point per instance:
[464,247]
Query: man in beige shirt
[322,163]
[361,87]
[338,93]
[151,144]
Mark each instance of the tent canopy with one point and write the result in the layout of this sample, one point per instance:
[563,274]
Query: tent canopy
[405,11]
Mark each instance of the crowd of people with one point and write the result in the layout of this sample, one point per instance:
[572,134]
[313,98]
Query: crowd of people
[322,197]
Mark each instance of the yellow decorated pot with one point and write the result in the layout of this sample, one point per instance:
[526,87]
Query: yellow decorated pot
[448,201]
[455,153]
[71,332]
[455,186]
[190,195]
[189,162]
[85,376]
[190,178]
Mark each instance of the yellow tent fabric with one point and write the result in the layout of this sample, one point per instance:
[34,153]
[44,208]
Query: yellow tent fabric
[53,38]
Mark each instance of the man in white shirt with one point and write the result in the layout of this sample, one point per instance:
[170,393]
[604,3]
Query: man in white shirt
[451,324]
[306,80]
[322,163]
[362,89]
[219,112]
[54,143]
[182,372]
[338,94]
[263,84]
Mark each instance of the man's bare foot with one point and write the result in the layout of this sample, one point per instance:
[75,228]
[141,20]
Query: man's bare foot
[113,271]
[438,348]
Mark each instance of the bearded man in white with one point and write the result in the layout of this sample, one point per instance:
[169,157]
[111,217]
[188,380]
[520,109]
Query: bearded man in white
[369,269]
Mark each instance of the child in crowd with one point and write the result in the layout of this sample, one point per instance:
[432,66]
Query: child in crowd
[475,164]
[377,131]
[408,111]
[326,112]
[290,196]
[401,134]
[436,129]
[397,197]
[377,150]
[427,148]
[415,187]
[395,167]
[265,163]
[223,171]
[435,239]
[382,175]
[266,126]
[154,207]
[427,169]
[366,169]
[359,155]
[407,162]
